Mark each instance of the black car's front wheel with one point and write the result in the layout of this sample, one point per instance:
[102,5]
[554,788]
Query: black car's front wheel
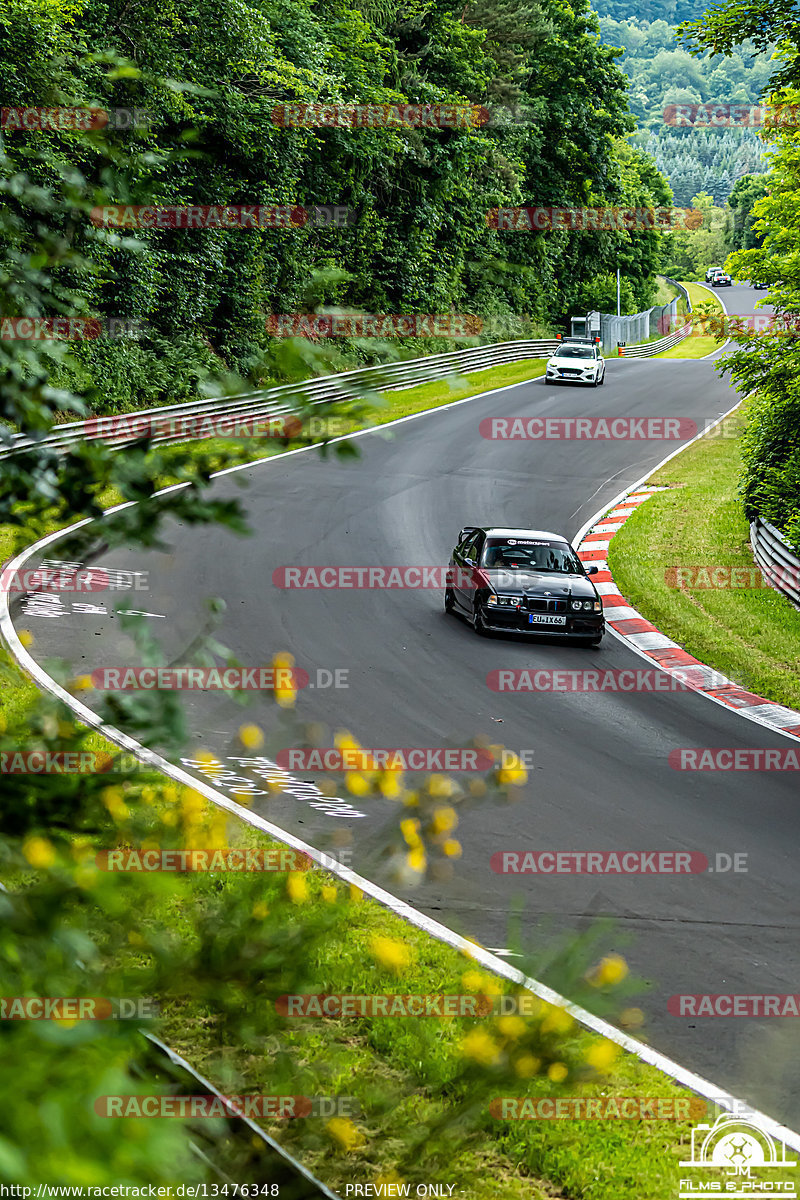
[449,600]
[478,621]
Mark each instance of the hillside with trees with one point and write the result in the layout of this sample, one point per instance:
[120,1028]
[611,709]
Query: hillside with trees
[661,72]
[419,241]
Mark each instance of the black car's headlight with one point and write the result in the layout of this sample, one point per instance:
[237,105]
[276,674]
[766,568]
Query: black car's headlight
[576,604]
[504,601]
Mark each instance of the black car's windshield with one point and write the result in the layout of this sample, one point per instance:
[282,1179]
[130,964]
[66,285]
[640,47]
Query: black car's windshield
[575,352]
[530,554]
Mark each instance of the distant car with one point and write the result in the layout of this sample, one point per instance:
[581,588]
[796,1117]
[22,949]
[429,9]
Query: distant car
[577,360]
[721,280]
[760,287]
[523,581]
[712,271]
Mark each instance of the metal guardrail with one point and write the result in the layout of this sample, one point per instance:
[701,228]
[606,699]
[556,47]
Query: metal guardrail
[121,430]
[277,1166]
[665,343]
[779,564]
[681,289]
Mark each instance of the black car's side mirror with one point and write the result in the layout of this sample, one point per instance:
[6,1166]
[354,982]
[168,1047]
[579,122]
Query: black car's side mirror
[592,569]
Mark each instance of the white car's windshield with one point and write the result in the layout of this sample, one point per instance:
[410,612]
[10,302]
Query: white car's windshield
[575,352]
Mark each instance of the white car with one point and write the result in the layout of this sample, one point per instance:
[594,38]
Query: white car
[577,360]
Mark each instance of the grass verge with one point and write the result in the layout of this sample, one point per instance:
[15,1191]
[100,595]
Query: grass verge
[695,347]
[751,634]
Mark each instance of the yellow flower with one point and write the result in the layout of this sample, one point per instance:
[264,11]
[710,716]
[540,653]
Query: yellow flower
[389,785]
[611,971]
[344,740]
[416,860]
[26,637]
[206,758]
[82,683]
[284,683]
[82,850]
[479,1046]
[410,831]
[601,1055]
[297,887]
[440,785]
[511,1027]
[512,771]
[452,848]
[356,894]
[444,820]
[345,1133]
[251,736]
[39,852]
[260,911]
[472,981]
[527,1066]
[557,1072]
[393,1180]
[192,805]
[356,783]
[557,1020]
[112,797]
[631,1018]
[329,893]
[390,953]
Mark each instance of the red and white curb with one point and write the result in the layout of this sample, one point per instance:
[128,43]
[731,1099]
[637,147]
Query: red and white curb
[642,636]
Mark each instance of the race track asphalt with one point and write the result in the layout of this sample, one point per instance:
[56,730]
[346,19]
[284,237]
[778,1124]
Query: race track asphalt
[601,778]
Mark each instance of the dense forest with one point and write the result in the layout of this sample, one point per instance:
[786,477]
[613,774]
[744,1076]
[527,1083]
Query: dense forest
[661,72]
[210,83]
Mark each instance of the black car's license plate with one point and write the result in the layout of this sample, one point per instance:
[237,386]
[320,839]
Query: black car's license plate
[545,619]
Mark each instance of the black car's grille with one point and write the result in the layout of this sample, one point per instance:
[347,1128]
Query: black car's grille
[544,604]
